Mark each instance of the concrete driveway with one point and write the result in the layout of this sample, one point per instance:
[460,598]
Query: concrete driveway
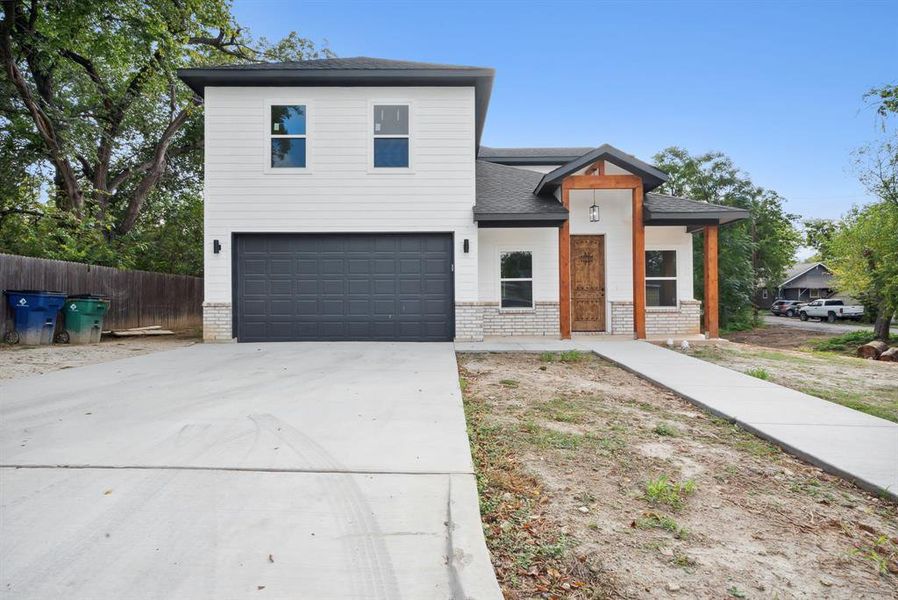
[227,471]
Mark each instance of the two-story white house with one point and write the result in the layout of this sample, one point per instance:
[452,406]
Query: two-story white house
[351,199]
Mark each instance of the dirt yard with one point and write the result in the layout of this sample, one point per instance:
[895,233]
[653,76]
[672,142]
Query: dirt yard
[866,385]
[777,337]
[23,361]
[595,484]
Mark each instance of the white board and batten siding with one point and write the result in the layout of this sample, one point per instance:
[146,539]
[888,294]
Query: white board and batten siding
[339,191]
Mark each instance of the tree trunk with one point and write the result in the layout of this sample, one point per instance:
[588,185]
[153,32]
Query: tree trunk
[881,325]
[890,355]
[872,350]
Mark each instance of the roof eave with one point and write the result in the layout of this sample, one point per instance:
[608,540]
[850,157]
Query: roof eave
[710,217]
[651,177]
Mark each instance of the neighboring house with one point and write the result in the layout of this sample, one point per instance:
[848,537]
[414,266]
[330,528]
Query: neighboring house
[350,199]
[804,281]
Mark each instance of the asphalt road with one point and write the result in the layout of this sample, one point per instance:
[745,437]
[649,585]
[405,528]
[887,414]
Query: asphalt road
[838,327]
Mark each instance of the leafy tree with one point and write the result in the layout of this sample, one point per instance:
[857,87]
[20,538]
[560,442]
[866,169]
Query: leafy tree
[102,124]
[864,259]
[751,253]
[818,235]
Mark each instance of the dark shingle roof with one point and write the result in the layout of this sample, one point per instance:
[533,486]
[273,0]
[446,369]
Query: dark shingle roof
[651,177]
[531,156]
[661,208]
[364,63]
[506,194]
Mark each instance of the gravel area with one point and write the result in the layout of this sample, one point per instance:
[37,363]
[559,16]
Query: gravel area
[25,361]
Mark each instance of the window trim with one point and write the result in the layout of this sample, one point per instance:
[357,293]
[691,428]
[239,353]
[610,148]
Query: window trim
[814,293]
[308,136]
[507,250]
[370,136]
[675,279]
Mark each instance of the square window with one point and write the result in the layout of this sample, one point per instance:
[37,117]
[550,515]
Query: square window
[391,152]
[517,294]
[288,119]
[288,153]
[391,119]
[661,263]
[517,265]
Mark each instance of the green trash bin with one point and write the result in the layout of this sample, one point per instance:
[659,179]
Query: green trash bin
[84,318]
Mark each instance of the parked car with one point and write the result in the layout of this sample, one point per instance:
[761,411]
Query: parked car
[788,308]
[832,310]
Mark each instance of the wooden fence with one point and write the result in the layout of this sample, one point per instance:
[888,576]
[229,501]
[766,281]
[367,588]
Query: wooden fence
[137,298]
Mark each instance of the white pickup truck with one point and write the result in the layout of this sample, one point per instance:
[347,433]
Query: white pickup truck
[831,310]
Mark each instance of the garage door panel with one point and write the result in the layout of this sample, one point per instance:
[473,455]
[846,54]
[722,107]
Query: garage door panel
[344,287]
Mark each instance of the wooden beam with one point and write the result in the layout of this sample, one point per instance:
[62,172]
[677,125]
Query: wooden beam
[608,182]
[638,264]
[596,168]
[564,266]
[711,298]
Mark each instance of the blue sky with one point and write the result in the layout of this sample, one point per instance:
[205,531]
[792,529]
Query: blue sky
[777,86]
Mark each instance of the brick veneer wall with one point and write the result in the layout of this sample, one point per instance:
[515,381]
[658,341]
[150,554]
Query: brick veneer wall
[473,320]
[217,322]
[682,320]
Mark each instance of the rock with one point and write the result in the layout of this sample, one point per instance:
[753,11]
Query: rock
[584,509]
[673,587]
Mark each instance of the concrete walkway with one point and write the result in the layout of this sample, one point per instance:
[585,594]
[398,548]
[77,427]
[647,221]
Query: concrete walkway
[846,442]
[242,470]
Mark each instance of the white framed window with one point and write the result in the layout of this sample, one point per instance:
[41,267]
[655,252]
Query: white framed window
[764,293]
[661,278]
[287,148]
[516,279]
[391,136]
[814,293]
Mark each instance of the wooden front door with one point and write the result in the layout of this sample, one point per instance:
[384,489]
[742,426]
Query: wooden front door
[587,283]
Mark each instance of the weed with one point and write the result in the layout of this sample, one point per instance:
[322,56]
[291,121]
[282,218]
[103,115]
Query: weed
[664,491]
[572,356]
[543,437]
[880,553]
[548,357]
[735,592]
[656,521]
[682,560]
[463,384]
[666,429]
[813,488]
[759,372]
[510,383]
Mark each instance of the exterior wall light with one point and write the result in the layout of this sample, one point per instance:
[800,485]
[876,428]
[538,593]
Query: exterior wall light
[594,209]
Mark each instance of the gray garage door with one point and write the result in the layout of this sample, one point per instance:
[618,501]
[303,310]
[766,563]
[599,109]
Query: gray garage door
[297,287]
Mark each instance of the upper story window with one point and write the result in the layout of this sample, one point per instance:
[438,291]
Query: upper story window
[391,136]
[516,279]
[288,136]
[661,278]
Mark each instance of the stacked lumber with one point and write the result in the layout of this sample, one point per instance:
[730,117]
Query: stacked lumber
[139,331]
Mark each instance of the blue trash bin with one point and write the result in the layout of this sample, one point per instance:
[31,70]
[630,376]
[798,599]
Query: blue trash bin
[34,316]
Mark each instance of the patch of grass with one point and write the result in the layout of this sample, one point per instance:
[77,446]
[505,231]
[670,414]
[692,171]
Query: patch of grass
[735,592]
[561,410]
[662,490]
[569,356]
[509,383]
[543,437]
[847,343]
[666,429]
[813,488]
[856,400]
[656,521]
[759,373]
[682,560]
[463,384]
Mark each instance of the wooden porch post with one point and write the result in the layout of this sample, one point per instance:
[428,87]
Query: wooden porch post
[564,266]
[711,300]
[638,264]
